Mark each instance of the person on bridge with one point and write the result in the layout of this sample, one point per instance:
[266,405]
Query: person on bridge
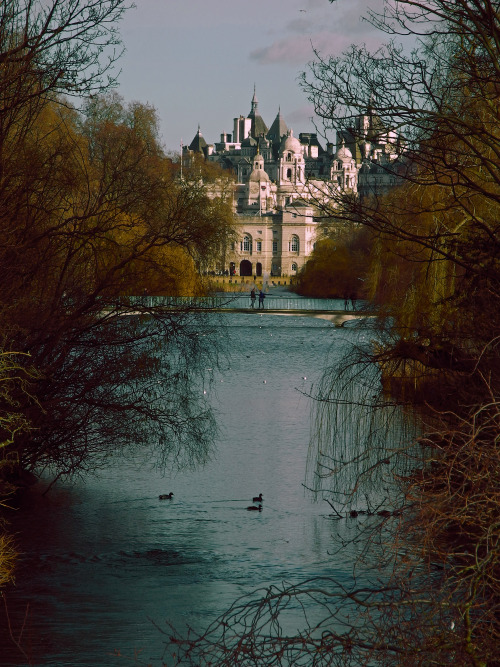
[262,296]
[252,298]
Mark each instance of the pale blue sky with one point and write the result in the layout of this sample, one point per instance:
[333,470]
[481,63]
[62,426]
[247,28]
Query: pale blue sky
[196,61]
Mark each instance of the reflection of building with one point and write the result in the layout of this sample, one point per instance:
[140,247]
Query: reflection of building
[280,178]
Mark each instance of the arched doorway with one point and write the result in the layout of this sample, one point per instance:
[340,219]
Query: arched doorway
[245,268]
[258,269]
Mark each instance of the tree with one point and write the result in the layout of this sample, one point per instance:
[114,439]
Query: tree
[109,217]
[436,278]
[338,266]
[426,506]
[91,211]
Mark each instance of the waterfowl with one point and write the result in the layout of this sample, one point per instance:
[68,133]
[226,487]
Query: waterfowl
[253,507]
[258,499]
[166,496]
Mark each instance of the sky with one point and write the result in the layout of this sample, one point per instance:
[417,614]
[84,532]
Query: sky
[197,61]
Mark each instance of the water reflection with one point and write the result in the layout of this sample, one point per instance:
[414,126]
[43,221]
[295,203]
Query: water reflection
[104,559]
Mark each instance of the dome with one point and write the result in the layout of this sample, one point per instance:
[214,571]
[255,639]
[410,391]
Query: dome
[291,143]
[344,154]
[259,175]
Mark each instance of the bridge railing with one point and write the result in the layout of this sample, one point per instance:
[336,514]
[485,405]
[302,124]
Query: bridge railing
[229,301]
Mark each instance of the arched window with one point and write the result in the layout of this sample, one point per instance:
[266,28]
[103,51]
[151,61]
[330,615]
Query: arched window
[289,173]
[246,244]
[294,243]
[294,267]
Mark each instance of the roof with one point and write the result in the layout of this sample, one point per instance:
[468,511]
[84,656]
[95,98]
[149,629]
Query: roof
[198,143]
[258,126]
[278,129]
[249,141]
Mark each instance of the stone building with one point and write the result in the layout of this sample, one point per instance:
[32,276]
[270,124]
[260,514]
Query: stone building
[280,178]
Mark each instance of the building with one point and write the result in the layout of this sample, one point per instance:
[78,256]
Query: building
[281,178]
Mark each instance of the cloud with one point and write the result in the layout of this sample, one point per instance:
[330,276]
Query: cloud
[301,117]
[299,49]
[327,28]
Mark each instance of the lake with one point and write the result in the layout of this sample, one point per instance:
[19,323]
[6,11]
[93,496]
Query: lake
[104,561]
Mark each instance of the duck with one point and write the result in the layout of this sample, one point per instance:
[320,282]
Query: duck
[166,496]
[258,499]
[255,508]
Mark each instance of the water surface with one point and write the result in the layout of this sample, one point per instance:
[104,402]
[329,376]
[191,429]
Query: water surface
[105,561]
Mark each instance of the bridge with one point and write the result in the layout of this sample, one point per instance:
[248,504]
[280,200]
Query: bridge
[332,310]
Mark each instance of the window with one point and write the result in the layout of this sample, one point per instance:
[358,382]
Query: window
[258,246]
[294,267]
[289,173]
[246,244]
[294,244]
[275,246]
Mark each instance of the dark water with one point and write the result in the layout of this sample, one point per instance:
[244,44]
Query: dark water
[105,561]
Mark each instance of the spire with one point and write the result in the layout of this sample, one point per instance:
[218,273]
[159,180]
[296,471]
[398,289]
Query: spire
[198,143]
[258,128]
[255,102]
[278,129]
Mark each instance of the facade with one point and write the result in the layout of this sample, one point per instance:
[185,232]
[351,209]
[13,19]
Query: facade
[280,178]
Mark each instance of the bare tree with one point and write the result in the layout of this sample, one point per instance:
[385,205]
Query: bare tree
[91,212]
[425,499]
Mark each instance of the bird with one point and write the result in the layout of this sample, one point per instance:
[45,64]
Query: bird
[166,496]
[258,499]
[256,508]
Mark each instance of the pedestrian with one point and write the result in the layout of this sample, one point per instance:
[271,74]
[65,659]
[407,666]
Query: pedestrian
[262,296]
[346,302]
[252,298]
[353,301]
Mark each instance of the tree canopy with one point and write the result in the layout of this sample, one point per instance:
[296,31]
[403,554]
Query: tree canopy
[93,212]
